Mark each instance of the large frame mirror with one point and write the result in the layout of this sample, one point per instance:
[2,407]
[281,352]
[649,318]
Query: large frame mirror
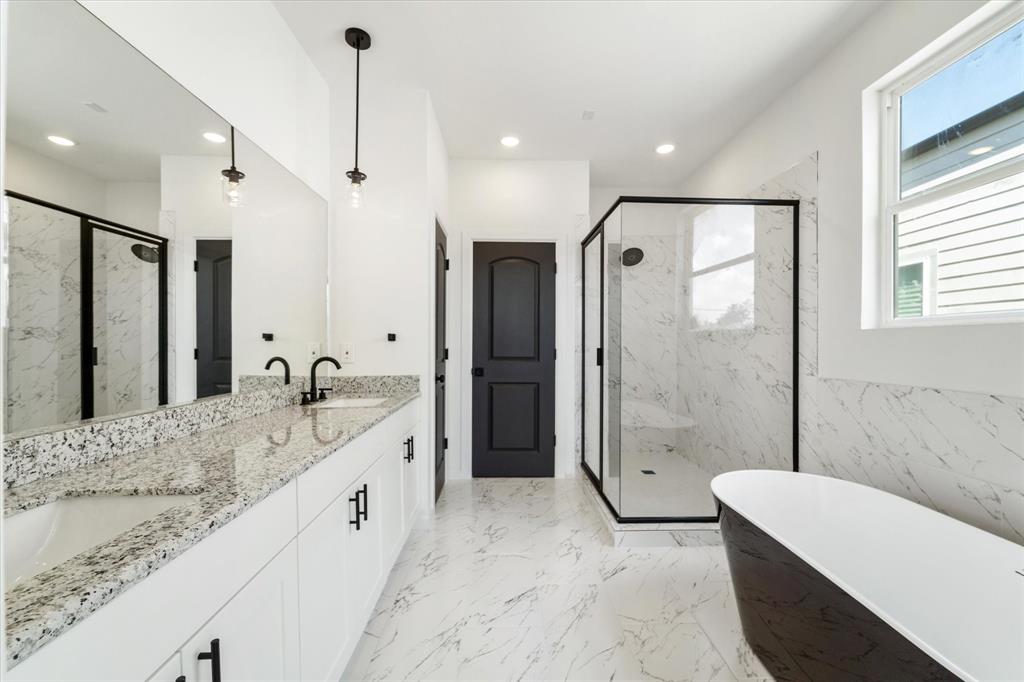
[133,278]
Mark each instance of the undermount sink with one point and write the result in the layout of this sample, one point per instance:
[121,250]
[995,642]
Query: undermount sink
[350,402]
[48,535]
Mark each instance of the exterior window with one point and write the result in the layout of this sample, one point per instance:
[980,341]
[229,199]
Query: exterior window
[953,187]
[722,277]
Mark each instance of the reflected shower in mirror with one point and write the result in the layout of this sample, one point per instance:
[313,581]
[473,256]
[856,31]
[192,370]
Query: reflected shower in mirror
[132,282]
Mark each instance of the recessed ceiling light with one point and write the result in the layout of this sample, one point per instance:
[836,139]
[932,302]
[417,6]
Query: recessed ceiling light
[666,148]
[216,138]
[62,141]
[978,151]
[510,140]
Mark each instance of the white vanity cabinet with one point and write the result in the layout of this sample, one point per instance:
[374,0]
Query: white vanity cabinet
[285,589]
[256,635]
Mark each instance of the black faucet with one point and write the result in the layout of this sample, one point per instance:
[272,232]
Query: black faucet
[312,394]
[287,369]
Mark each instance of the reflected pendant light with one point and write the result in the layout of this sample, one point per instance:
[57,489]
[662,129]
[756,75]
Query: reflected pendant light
[360,40]
[232,179]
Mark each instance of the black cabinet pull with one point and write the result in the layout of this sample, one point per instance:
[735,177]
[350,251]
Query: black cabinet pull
[213,656]
[355,521]
[412,447]
[366,500]
[408,449]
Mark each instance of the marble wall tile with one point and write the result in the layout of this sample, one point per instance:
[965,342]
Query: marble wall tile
[44,317]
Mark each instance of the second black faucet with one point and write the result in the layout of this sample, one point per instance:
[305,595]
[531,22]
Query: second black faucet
[312,396]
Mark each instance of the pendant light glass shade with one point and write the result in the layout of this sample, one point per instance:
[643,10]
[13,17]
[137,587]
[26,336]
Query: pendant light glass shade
[232,180]
[356,188]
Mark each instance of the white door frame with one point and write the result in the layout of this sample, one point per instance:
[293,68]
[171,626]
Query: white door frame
[564,417]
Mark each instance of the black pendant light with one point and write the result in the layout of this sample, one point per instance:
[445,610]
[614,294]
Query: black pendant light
[232,179]
[360,40]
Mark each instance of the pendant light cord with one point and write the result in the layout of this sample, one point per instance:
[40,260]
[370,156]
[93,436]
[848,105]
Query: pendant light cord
[232,147]
[359,42]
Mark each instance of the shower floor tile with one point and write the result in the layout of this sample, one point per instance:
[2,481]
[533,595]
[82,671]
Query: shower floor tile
[677,487]
[517,579]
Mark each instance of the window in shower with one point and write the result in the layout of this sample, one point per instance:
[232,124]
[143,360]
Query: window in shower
[87,317]
[722,274]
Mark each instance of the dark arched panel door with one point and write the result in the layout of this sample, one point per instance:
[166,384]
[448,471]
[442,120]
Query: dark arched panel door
[513,359]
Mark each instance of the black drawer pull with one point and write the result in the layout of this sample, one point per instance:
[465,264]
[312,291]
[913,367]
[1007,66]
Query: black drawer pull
[366,500]
[408,449]
[358,515]
[213,656]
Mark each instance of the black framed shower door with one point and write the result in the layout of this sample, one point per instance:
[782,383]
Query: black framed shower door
[601,359]
[89,226]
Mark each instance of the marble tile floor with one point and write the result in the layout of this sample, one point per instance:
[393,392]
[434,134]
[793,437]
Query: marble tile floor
[516,579]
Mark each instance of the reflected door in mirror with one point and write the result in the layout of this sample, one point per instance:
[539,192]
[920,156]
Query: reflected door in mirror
[213,317]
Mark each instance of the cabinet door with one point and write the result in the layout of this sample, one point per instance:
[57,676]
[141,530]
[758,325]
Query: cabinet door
[169,671]
[323,588]
[363,563]
[410,485]
[257,631]
[391,467]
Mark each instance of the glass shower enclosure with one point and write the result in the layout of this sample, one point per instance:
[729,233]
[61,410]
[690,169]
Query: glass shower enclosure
[690,323]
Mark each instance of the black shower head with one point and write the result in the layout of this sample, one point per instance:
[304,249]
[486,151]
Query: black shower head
[150,254]
[632,256]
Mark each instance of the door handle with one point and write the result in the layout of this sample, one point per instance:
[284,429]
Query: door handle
[213,656]
[478,371]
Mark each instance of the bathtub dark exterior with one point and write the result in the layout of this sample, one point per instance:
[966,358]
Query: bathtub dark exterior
[804,627]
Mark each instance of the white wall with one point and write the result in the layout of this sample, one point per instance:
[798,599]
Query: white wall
[381,254]
[602,198]
[278,269]
[515,200]
[198,213]
[243,61]
[823,111]
[135,204]
[44,178]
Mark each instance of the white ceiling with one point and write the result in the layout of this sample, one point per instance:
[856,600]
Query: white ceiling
[692,73]
[59,56]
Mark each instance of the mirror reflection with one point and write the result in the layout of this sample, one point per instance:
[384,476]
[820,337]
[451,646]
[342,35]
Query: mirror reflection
[155,253]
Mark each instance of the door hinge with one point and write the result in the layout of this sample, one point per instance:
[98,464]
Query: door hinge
[556,267]
[600,356]
[195,265]
[195,353]
[447,264]
[556,354]
[554,440]
[445,445]
[445,353]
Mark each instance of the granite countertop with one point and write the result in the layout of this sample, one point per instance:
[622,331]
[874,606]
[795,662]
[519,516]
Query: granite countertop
[229,469]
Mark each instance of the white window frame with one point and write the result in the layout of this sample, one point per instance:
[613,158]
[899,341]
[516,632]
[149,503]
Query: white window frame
[892,204]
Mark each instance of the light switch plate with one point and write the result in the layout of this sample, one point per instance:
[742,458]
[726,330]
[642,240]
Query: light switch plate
[348,353]
[312,351]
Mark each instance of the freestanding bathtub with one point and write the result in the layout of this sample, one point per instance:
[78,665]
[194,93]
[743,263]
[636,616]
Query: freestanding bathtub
[839,581]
